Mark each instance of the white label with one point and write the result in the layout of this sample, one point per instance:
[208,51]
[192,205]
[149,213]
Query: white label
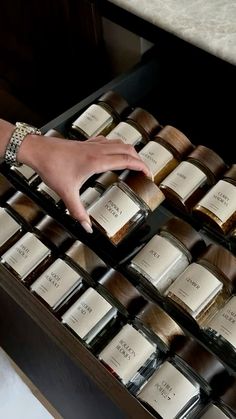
[185,179]
[43,187]
[26,254]
[8,226]
[93,120]
[221,200]
[56,282]
[113,210]
[25,171]
[88,310]
[89,196]
[214,413]
[155,156]
[127,352]
[168,391]
[126,133]
[196,287]
[224,323]
[161,260]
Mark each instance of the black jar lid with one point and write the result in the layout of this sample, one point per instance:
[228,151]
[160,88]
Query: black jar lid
[231,173]
[176,140]
[53,232]
[115,101]
[210,162]
[229,397]
[223,263]
[202,362]
[145,120]
[121,290]
[185,234]
[155,319]
[26,208]
[144,188]
[106,179]
[86,259]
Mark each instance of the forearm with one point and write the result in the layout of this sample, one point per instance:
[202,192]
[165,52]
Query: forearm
[6,130]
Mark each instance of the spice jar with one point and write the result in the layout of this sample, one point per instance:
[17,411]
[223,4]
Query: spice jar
[159,326]
[167,254]
[213,411]
[227,401]
[91,317]
[125,205]
[86,261]
[54,133]
[139,126]
[221,330]
[164,152]
[128,353]
[91,194]
[6,189]
[48,193]
[186,185]
[205,285]
[99,118]
[181,382]
[35,251]
[218,207]
[19,213]
[121,293]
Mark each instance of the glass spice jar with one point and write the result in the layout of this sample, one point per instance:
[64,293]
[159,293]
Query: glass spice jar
[119,291]
[166,255]
[18,213]
[91,194]
[138,127]
[159,326]
[128,353]
[91,317]
[48,193]
[165,151]
[206,285]
[214,411]
[192,178]
[35,251]
[86,261]
[218,207]
[125,205]
[6,189]
[99,118]
[180,384]
[221,330]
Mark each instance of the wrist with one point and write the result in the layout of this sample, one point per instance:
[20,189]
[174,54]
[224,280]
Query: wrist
[29,150]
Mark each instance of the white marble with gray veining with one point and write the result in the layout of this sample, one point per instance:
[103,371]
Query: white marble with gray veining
[208,24]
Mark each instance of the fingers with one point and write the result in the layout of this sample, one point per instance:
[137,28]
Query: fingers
[121,162]
[77,210]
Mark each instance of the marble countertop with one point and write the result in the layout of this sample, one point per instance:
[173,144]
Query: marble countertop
[208,24]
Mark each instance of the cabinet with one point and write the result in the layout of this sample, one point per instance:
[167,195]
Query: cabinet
[182,86]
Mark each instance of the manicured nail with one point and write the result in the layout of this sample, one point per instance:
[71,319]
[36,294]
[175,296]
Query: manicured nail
[87,227]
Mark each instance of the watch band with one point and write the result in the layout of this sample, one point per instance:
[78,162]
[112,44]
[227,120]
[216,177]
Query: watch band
[22,129]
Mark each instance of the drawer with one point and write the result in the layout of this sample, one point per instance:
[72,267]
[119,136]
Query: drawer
[183,87]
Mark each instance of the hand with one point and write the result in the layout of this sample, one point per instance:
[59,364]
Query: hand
[65,165]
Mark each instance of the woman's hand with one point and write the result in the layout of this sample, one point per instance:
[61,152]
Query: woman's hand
[65,165]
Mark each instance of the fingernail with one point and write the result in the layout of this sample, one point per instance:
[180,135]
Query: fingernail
[87,227]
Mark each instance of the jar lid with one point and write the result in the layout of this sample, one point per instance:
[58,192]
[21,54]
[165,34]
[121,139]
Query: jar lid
[121,289]
[210,161]
[23,206]
[160,323]
[144,120]
[53,232]
[229,397]
[231,173]
[115,101]
[85,258]
[5,187]
[107,179]
[177,141]
[203,363]
[184,233]
[144,188]
[223,261]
